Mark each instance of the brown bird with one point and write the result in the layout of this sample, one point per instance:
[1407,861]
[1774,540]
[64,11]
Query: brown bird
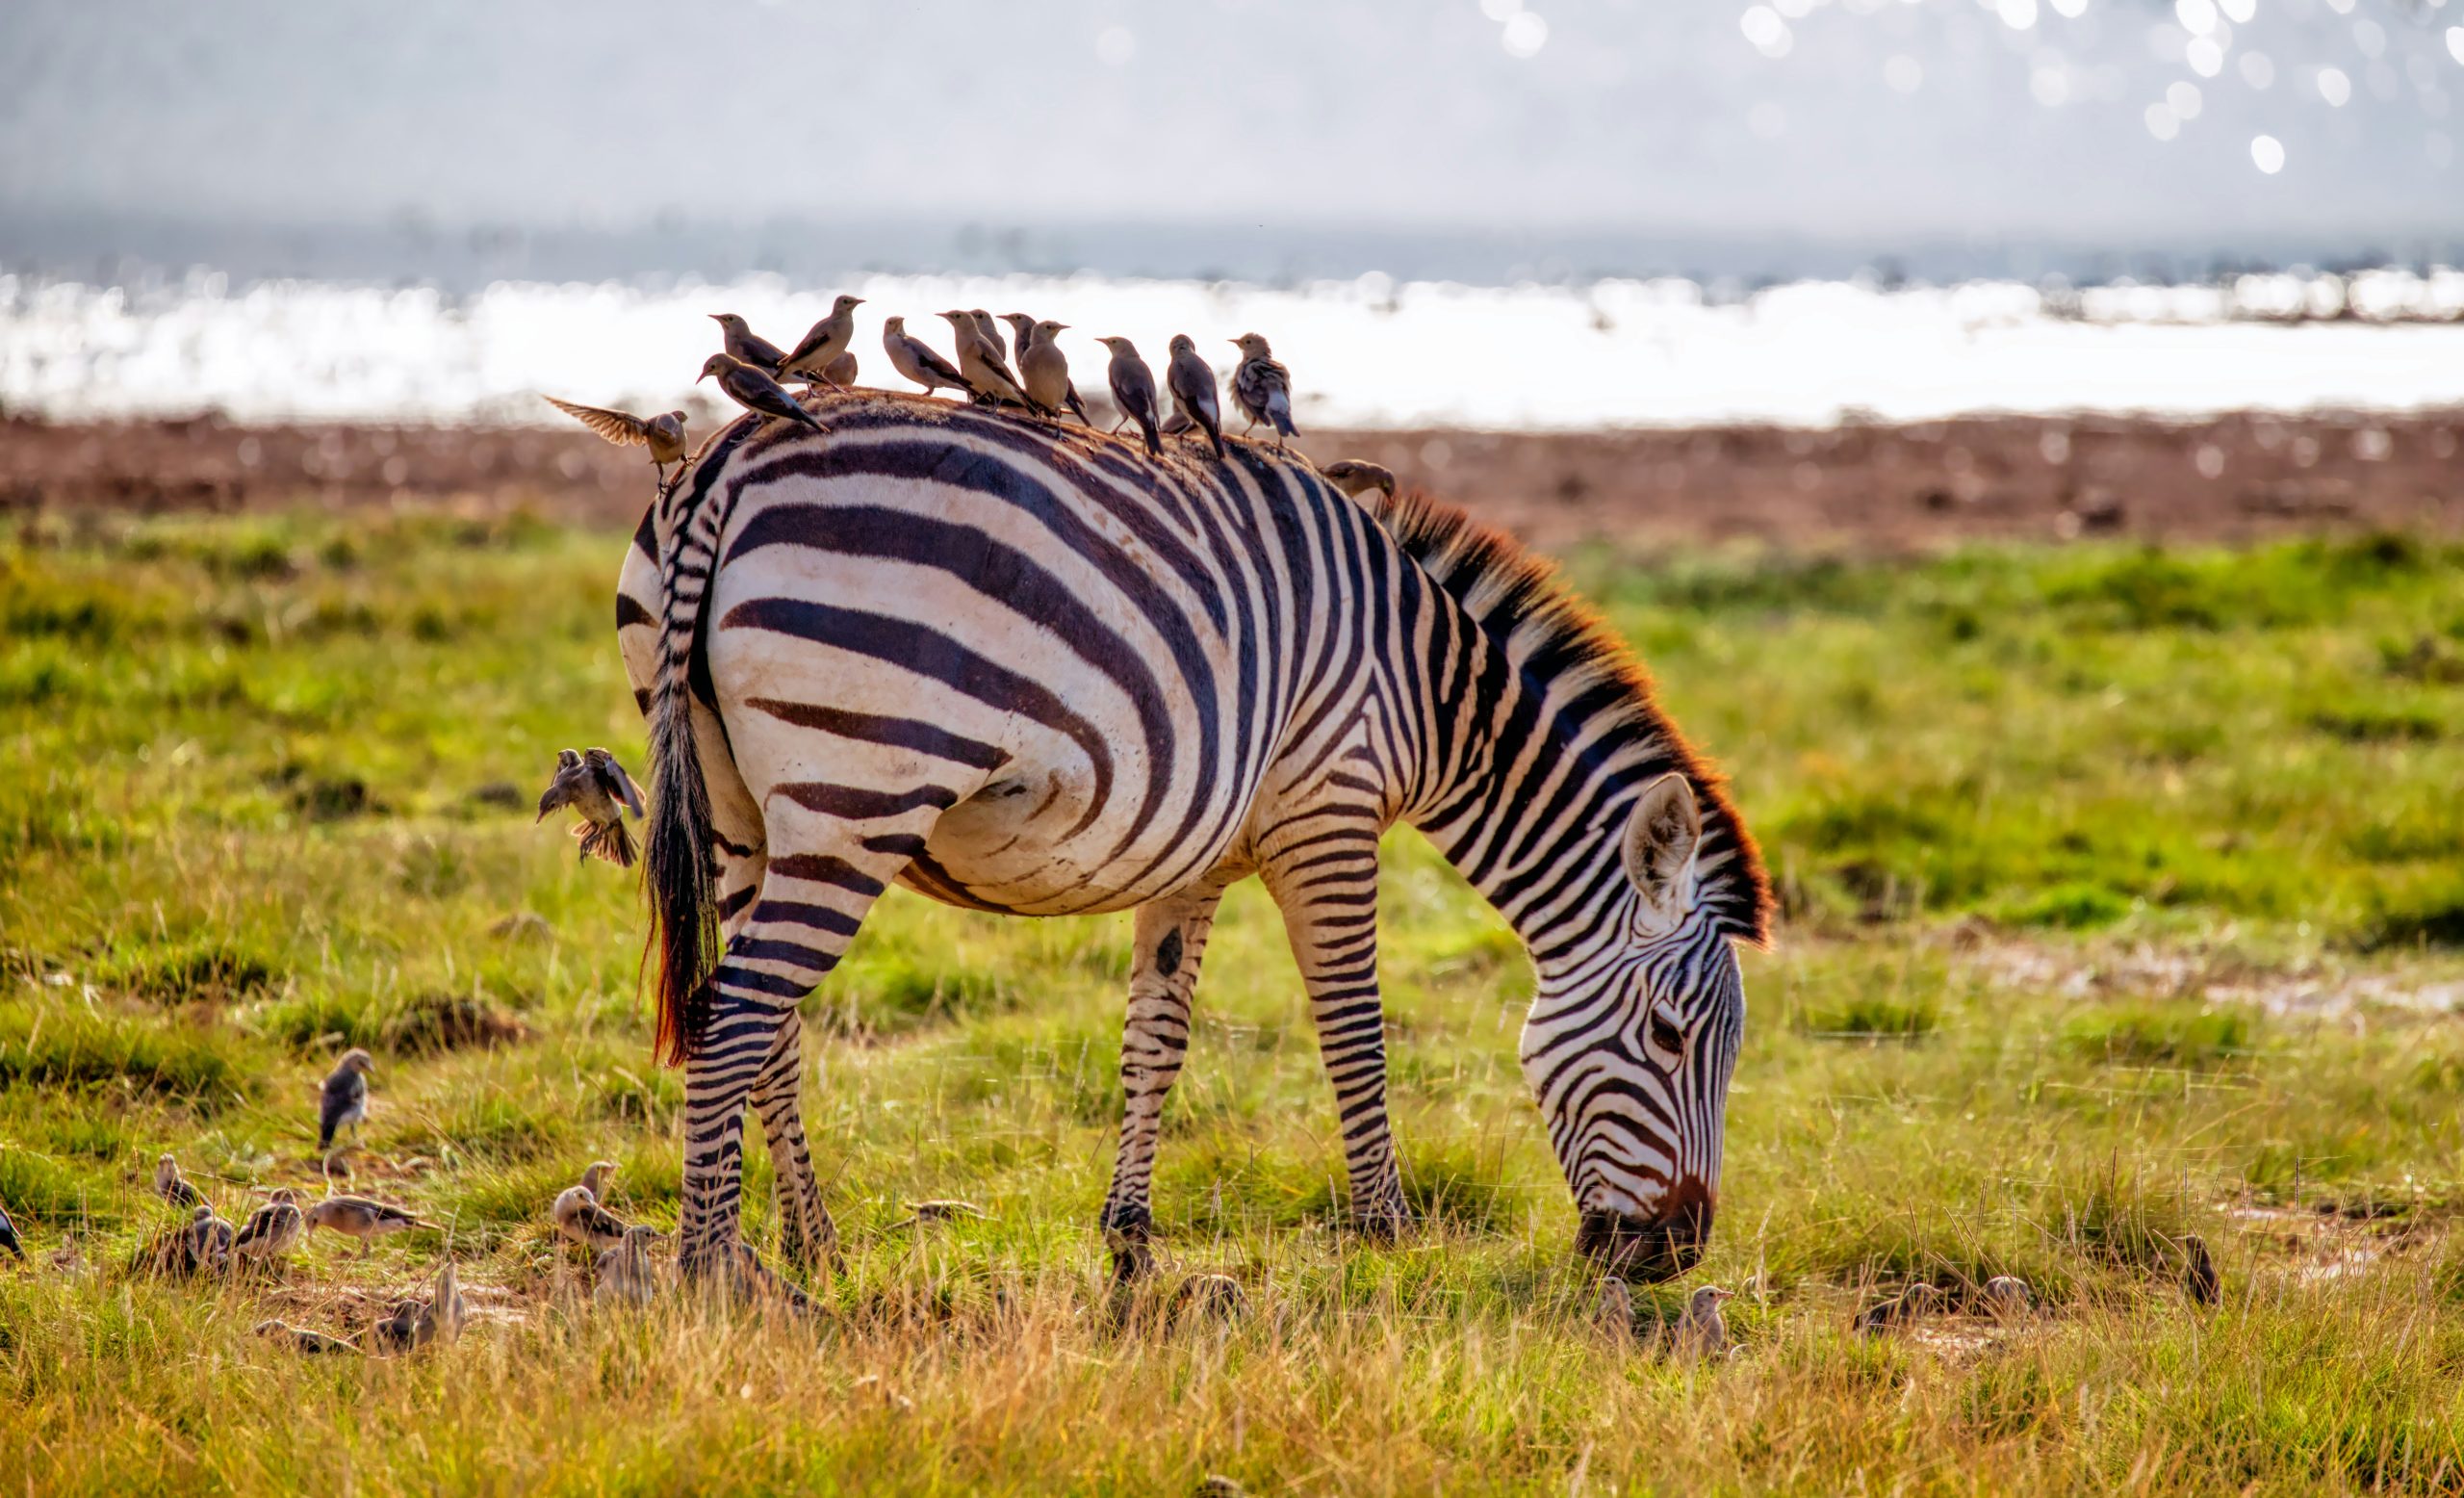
[625,1273]
[272,1230]
[358,1217]
[397,1332]
[842,371]
[443,1317]
[663,435]
[1918,1300]
[1134,390]
[830,338]
[173,1187]
[756,391]
[1263,387]
[578,1217]
[594,784]
[1045,370]
[2007,1297]
[204,1243]
[981,364]
[1192,382]
[1702,1332]
[1204,1296]
[1613,1310]
[916,360]
[595,1178]
[742,341]
[2199,1279]
[992,332]
[1357,478]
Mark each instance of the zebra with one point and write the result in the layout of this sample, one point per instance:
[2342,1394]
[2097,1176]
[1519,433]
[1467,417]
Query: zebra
[1031,670]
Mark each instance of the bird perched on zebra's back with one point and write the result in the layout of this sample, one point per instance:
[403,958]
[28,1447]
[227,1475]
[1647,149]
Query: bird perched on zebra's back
[1701,1331]
[272,1230]
[1356,478]
[980,362]
[8,1236]
[990,332]
[361,1217]
[742,343]
[1262,386]
[1045,371]
[1917,1301]
[842,371]
[306,1339]
[173,1187]
[1133,391]
[580,1218]
[663,435]
[916,360]
[342,1103]
[594,784]
[829,339]
[756,391]
[1192,382]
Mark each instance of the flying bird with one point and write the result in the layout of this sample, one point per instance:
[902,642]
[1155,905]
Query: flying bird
[2199,1279]
[1920,1300]
[756,391]
[1133,391]
[1702,1332]
[1045,370]
[1357,478]
[829,339]
[272,1230]
[594,784]
[742,343]
[1192,385]
[306,1339]
[915,359]
[173,1187]
[343,1101]
[1262,386]
[980,362]
[578,1217]
[358,1217]
[663,435]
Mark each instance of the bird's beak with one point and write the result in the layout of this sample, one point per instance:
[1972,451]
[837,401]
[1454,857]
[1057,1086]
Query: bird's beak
[716,318]
[698,378]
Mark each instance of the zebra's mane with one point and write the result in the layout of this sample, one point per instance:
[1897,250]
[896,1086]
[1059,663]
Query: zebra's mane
[1523,603]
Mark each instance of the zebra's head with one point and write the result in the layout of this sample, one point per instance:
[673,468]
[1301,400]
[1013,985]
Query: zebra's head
[1630,1041]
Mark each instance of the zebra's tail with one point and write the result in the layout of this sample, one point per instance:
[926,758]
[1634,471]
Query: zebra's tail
[675,856]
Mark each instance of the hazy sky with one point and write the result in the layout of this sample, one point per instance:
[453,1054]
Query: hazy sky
[2128,122]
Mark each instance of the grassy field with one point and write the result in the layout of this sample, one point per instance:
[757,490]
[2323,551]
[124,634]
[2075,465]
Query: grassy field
[2122,900]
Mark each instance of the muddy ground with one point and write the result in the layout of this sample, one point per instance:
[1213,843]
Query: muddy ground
[1876,486]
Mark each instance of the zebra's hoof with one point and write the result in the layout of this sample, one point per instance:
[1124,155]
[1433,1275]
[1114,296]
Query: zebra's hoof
[734,1272]
[1382,1224]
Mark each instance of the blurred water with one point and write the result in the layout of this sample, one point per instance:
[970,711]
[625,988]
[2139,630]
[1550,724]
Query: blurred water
[1364,352]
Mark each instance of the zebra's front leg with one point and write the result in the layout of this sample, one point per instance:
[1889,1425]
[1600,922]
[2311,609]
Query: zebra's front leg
[808,911]
[1170,939]
[1323,877]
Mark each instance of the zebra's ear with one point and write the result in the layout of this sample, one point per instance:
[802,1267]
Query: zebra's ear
[1659,845]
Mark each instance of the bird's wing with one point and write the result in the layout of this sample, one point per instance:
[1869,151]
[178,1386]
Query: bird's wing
[760,351]
[619,784]
[621,428]
[334,1104]
[815,339]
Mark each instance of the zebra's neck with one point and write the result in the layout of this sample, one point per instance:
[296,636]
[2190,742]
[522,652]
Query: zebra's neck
[1536,733]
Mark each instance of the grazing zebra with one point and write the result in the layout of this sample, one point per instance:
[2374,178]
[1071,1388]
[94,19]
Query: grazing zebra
[1029,669]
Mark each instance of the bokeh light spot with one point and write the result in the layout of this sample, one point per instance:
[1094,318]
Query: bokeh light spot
[2266,153]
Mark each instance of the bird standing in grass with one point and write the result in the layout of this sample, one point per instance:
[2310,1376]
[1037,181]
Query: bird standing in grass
[1134,390]
[595,1179]
[1917,1301]
[1612,1310]
[1701,1331]
[359,1216]
[2007,1297]
[625,1273]
[8,1236]
[399,1332]
[756,391]
[205,1244]
[980,363]
[578,1217]
[2199,1279]
[1045,371]
[1356,478]
[663,435]
[272,1230]
[742,343]
[1262,386]
[173,1187]
[442,1318]
[594,784]
[1192,382]
[306,1339]
[343,1101]
[916,360]
[830,338]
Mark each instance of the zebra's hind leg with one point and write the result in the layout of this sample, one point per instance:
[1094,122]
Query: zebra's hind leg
[807,1238]
[1171,937]
[1322,873]
[810,909]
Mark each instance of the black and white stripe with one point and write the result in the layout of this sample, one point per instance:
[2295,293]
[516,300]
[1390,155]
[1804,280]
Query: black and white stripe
[1029,669]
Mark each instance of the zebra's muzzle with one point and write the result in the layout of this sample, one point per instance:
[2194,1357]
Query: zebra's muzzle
[1649,1251]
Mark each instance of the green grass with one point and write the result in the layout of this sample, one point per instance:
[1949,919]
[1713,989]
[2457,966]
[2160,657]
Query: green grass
[2121,887]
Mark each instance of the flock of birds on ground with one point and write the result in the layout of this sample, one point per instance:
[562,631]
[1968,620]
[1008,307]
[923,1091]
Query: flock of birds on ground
[748,370]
